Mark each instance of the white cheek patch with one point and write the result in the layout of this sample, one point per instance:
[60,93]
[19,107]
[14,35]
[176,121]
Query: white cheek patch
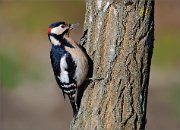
[54,30]
[64,78]
[58,30]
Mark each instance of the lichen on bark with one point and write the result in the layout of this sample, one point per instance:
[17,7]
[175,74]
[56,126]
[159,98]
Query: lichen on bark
[120,38]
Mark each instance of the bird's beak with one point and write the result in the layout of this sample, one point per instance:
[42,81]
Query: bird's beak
[74,25]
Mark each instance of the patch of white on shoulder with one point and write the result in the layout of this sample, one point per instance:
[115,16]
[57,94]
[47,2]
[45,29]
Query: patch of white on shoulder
[63,63]
[54,41]
[64,78]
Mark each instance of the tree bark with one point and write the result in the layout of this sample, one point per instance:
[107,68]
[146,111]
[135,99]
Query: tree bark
[120,35]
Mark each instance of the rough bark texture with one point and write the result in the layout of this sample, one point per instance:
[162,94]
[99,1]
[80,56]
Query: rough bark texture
[120,36]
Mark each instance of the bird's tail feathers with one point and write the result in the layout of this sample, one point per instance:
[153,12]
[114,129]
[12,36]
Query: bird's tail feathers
[72,99]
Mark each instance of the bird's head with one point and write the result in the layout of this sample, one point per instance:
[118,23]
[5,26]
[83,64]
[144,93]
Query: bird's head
[60,28]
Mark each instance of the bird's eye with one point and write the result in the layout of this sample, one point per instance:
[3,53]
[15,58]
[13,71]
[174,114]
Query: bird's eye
[62,26]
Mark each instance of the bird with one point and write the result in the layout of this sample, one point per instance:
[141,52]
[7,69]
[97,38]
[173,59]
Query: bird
[69,61]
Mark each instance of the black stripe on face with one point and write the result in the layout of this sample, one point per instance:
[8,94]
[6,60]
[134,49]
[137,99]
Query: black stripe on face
[66,31]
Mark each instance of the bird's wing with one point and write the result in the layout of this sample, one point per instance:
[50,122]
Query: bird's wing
[55,62]
[64,69]
[71,67]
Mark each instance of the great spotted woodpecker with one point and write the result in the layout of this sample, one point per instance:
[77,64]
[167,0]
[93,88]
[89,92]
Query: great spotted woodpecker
[69,62]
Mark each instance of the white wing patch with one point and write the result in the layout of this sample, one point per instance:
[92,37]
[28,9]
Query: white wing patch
[64,78]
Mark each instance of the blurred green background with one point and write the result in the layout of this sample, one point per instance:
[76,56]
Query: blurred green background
[29,96]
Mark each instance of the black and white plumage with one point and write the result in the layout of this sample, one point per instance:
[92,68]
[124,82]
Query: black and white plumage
[69,63]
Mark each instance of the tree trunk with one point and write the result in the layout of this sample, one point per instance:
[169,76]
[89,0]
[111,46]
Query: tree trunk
[120,35]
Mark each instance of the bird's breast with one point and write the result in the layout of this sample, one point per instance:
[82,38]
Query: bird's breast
[81,62]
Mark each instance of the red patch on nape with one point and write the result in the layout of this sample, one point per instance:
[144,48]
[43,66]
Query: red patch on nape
[49,30]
